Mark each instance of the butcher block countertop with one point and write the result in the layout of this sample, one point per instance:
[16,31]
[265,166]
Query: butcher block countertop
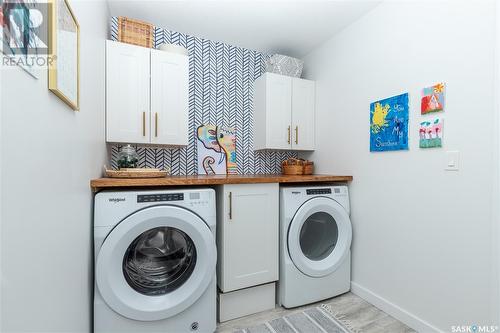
[122,183]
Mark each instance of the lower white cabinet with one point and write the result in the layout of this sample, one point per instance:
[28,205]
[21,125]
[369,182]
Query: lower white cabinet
[247,235]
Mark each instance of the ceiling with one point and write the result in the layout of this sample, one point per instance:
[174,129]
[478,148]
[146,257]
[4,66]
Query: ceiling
[288,27]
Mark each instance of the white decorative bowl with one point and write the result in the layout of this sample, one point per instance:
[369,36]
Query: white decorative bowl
[173,48]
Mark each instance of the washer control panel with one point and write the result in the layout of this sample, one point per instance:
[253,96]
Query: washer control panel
[160,197]
[317,191]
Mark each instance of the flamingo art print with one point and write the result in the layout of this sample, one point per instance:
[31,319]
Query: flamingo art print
[431,133]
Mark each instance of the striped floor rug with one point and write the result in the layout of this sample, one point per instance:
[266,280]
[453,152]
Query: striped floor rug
[314,320]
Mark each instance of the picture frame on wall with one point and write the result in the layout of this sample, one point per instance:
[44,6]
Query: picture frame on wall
[64,41]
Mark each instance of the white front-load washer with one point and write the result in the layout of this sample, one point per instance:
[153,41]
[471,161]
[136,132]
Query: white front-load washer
[155,257]
[315,241]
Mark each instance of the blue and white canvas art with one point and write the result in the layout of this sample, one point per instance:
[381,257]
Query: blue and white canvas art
[389,124]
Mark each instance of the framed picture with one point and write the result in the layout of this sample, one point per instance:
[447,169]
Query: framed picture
[64,41]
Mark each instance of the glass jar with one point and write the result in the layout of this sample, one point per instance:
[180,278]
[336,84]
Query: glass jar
[127,157]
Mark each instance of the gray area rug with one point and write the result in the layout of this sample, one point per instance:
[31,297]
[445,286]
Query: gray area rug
[315,320]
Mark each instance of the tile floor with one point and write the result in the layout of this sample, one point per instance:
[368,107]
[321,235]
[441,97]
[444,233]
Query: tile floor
[356,314]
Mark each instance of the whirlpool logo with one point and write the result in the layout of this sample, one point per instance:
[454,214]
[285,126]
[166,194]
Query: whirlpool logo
[116,200]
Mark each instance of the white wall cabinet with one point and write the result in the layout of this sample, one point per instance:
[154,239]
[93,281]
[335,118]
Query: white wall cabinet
[284,113]
[127,93]
[247,235]
[146,95]
[169,98]
[303,115]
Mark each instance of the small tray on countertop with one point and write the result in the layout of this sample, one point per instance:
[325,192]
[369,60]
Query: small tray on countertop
[135,173]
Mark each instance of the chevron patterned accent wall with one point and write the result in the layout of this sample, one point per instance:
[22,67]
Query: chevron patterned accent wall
[221,80]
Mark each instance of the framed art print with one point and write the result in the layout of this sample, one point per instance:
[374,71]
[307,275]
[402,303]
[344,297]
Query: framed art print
[64,40]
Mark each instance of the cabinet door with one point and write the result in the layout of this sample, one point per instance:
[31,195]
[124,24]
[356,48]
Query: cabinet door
[278,111]
[169,98]
[247,234]
[303,115]
[127,93]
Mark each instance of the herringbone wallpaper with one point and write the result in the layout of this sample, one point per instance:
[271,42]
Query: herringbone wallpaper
[221,80]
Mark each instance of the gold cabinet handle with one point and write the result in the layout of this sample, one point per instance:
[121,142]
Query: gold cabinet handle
[296,135]
[230,205]
[144,124]
[288,134]
[156,124]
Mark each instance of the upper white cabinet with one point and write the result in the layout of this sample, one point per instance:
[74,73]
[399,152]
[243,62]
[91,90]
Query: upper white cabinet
[146,95]
[169,98]
[303,102]
[273,112]
[284,113]
[127,93]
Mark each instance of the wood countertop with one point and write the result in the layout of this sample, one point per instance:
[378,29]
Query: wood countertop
[116,183]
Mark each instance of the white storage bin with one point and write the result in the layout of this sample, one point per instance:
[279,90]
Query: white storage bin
[284,65]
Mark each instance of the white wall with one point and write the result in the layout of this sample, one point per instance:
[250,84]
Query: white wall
[496,180]
[49,153]
[423,248]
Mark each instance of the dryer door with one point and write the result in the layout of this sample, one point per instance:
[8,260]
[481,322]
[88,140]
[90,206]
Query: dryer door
[156,263]
[319,236]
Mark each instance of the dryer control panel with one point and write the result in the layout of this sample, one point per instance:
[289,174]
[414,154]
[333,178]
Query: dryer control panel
[317,191]
[160,197]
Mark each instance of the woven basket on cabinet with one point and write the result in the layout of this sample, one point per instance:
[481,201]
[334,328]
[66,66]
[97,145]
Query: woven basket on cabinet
[135,32]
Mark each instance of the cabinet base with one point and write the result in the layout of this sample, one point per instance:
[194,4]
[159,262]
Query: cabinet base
[246,301]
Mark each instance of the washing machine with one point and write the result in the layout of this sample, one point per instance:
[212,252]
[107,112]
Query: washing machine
[315,241]
[155,257]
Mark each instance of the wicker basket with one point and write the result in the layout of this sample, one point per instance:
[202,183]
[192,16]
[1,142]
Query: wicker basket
[292,169]
[135,32]
[294,166]
[308,168]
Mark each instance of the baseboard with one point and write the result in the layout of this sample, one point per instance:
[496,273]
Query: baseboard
[392,309]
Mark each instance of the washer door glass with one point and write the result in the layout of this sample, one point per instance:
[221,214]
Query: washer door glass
[318,236]
[159,261]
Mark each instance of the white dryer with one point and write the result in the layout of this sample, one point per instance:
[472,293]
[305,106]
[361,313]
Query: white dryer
[315,241]
[155,257]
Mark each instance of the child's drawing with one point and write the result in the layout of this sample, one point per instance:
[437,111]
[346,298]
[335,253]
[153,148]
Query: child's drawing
[389,124]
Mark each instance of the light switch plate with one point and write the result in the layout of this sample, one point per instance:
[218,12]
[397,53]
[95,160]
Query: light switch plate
[452,160]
